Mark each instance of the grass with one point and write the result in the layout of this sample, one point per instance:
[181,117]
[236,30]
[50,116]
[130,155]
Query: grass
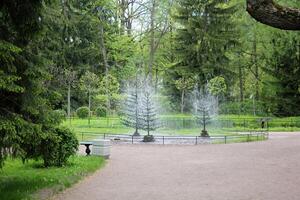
[27,181]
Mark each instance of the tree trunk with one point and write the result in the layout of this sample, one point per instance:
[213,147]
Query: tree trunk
[241,84]
[122,16]
[89,118]
[156,79]
[182,101]
[270,13]
[69,102]
[256,70]
[241,87]
[104,55]
[152,41]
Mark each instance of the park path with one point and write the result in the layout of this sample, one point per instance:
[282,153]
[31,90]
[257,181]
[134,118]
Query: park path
[268,170]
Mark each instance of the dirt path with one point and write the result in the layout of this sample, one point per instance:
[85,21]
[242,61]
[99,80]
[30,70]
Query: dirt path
[268,170]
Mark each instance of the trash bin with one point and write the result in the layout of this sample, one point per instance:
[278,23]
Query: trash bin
[101,147]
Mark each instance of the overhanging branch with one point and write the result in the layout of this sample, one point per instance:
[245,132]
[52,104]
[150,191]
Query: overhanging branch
[270,13]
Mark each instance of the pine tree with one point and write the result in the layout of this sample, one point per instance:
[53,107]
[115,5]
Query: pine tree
[204,35]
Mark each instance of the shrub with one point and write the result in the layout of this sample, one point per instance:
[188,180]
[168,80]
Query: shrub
[82,112]
[61,114]
[100,111]
[57,146]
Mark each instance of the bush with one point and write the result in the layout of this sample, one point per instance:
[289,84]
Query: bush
[57,146]
[60,114]
[148,138]
[82,112]
[100,111]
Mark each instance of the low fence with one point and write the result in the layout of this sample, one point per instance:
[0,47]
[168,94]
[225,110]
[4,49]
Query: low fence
[188,140]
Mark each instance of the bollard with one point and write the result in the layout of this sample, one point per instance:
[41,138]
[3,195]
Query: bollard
[104,135]
[163,139]
[132,139]
[225,139]
[196,140]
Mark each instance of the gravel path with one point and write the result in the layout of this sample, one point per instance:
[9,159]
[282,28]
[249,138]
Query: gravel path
[268,170]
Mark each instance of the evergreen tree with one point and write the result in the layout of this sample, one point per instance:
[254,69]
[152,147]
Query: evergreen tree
[28,123]
[284,68]
[204,34]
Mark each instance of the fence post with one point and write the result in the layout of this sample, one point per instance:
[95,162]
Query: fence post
[104,136]
[225,139]
[256,136]
[244,124]
[196,140]
[132,139]
[163,139]
[248,138]
[81,136]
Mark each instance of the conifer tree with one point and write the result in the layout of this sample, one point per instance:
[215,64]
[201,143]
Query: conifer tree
[206,32]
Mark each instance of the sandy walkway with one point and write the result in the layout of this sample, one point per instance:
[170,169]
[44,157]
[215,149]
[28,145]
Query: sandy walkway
[268,170]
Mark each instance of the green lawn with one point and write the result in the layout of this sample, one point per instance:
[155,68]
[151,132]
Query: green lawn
[27,181]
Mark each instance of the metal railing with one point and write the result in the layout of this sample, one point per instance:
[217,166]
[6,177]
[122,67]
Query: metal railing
[188,140]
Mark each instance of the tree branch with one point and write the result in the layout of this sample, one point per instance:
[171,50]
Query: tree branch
[272,14]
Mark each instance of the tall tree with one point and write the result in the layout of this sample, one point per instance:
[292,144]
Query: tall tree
[204,35]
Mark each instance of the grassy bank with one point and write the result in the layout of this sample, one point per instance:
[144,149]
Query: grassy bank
[32,181]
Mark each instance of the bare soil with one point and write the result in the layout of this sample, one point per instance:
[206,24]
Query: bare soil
[268,170]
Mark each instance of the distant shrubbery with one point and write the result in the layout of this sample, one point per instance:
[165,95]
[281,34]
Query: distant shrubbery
[100,111]
[246,108]
[82,112]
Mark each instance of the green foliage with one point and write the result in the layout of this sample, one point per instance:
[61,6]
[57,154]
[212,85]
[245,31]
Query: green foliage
[89,83]
[184,83]
[199,45]
[58,146]
[82,112]
[246,107]
[60,115]
[109,84]
[217,86]
[100,111]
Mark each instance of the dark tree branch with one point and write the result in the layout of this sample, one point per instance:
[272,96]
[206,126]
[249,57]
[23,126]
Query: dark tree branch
[270,13]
